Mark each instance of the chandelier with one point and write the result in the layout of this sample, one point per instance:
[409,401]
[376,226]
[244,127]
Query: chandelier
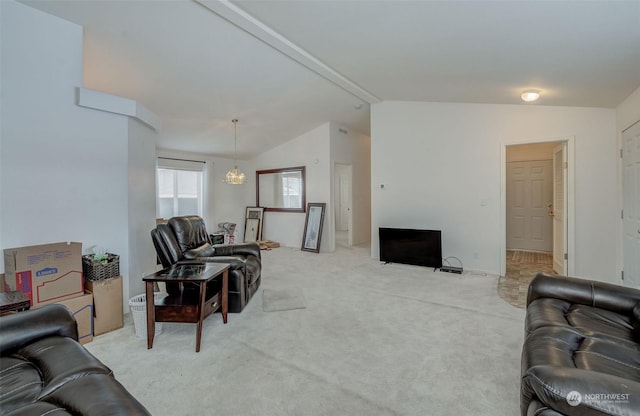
[234,176]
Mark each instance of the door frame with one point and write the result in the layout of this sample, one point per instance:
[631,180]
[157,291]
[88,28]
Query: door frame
[621,177]
[563,152]
[348,169]
[570,190]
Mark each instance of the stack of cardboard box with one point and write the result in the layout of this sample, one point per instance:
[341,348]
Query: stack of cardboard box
[52,273]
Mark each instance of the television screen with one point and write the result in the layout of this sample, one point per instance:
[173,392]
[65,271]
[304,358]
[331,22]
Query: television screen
[407,246]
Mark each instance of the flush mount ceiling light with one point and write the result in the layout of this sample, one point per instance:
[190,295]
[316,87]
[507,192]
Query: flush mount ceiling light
[234,176]
[530,96]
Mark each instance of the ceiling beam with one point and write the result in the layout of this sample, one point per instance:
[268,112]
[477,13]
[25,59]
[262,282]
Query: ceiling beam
[251,25]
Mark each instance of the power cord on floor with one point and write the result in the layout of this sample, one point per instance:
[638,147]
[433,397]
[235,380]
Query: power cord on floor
[447,267]
[446,261]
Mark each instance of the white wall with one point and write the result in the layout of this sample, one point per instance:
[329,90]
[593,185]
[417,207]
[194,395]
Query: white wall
[67,172]
[141,206]
[312,150]
[353,148]
[438,161]
[628,112]
[64,168]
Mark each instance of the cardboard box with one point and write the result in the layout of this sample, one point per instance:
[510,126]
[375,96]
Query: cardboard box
[82,309]
[107,304]
[46,273]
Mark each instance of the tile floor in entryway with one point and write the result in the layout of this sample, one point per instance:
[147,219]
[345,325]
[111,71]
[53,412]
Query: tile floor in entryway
[521,267]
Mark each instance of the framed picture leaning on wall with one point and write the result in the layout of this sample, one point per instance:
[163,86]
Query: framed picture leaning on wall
[253,222]
[313,227]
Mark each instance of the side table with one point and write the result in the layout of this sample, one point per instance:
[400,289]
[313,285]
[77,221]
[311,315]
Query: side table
[188,306]
[14,301]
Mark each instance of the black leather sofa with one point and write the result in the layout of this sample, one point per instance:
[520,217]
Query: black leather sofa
[581,353]
[45,371]
[185,240]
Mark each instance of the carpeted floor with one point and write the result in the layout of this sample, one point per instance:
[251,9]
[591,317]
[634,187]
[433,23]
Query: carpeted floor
[373,340]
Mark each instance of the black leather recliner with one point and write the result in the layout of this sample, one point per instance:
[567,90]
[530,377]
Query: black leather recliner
[45,370]
[185,240]
[581,353]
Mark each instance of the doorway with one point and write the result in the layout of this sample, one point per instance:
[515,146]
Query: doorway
[631,205]
[343,201]
[535,215]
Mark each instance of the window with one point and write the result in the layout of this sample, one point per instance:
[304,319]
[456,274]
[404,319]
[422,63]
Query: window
[180,188]
[291,190]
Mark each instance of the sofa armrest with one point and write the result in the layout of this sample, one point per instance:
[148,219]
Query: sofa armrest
[602,295]
[599,393]
[205,250]
[23,328]
[246,249]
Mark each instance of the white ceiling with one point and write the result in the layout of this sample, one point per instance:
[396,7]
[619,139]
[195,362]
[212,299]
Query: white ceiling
[197,70]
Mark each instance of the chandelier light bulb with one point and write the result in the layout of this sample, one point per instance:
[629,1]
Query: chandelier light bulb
[530,96]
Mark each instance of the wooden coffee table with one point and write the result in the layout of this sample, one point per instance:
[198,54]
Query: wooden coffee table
[191,306]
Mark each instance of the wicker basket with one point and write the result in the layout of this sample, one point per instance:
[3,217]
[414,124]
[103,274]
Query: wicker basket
[100,270]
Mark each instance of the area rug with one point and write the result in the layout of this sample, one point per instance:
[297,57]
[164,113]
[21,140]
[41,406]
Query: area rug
[282,299]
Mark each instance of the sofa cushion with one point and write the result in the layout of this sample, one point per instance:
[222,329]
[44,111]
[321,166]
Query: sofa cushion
[20,383]
[90,395]
[554,386]
[565,347]
[39,409]
[589,321]
[96,395]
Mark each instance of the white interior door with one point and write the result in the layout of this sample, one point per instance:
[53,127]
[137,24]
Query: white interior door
[631,204]
[345,193]
[559,209]
[343,196]
[529,196]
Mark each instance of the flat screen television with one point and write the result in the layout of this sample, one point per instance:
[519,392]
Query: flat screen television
[408,246]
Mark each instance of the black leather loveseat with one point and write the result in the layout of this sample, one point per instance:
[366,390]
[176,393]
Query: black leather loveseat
[185,240]
[581,353]
[45,371]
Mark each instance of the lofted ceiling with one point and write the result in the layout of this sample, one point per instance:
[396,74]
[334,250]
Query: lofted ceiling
[285,67]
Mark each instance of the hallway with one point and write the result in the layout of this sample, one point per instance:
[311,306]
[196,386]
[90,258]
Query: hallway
[521,267]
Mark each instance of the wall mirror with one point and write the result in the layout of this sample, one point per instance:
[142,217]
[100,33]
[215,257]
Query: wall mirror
[282,190]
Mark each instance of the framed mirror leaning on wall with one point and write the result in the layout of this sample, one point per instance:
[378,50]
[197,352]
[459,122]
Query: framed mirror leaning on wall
[281,190]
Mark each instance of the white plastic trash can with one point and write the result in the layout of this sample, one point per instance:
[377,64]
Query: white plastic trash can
[138,305]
